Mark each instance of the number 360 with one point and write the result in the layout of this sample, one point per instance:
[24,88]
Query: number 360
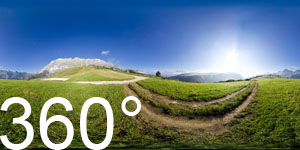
[44,123]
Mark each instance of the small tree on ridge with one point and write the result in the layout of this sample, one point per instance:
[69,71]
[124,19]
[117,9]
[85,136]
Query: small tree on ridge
[158,74]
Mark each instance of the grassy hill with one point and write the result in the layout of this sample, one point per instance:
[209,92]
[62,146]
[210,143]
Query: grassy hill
[92,73]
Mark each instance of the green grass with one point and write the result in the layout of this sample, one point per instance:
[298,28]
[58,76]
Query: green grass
[274,119]
[270,121]
[216,109]
[127,132]
[92,73]
[191,91]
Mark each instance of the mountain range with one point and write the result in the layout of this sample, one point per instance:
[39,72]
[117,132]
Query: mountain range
[56,66]
[60,64]
[207,77]
[13,75]
[288,74]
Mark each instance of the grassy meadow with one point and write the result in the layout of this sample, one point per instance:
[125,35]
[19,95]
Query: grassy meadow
[273,118]
[271,121]
[37,93]
[92,73]
[191,91]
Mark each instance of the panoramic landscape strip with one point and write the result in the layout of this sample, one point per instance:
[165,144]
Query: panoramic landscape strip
[149,74]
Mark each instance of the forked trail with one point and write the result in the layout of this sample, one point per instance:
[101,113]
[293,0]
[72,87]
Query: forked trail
[213,125]
[169,100]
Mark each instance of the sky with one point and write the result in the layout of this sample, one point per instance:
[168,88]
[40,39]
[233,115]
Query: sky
[247,37]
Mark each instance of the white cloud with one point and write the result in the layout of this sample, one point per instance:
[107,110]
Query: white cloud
[104,52]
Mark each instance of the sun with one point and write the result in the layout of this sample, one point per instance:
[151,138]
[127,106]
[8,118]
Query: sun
[232,55]
[231,61]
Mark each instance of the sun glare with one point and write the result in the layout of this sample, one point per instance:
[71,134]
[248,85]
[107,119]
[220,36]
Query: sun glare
[231,61]
[232,55]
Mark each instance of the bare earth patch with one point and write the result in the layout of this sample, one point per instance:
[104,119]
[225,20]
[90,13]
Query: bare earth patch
[137,78]
[55,79]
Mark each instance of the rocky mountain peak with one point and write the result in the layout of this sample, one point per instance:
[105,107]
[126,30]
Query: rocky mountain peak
[60,64]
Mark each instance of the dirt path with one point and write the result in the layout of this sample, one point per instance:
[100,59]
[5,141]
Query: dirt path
[55,79]
[213,125]
[169,100]
[137,78]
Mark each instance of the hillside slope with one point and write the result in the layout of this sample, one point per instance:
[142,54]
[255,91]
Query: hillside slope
[92,73]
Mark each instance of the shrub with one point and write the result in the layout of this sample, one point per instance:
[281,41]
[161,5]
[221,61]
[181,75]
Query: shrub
[158,74]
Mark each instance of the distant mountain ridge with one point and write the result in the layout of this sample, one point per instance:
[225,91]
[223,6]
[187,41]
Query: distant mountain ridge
[207,77]
[61,64]
[4,74]
[288,74]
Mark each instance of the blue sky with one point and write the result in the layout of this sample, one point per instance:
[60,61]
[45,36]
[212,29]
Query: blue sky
[248,37]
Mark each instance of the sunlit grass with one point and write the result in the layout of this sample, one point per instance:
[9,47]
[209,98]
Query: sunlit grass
[271,120]
[38,92]
[275,117]
[92,73]
[192,91]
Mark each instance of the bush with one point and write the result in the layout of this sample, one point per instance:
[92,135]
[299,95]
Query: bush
[158,74]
